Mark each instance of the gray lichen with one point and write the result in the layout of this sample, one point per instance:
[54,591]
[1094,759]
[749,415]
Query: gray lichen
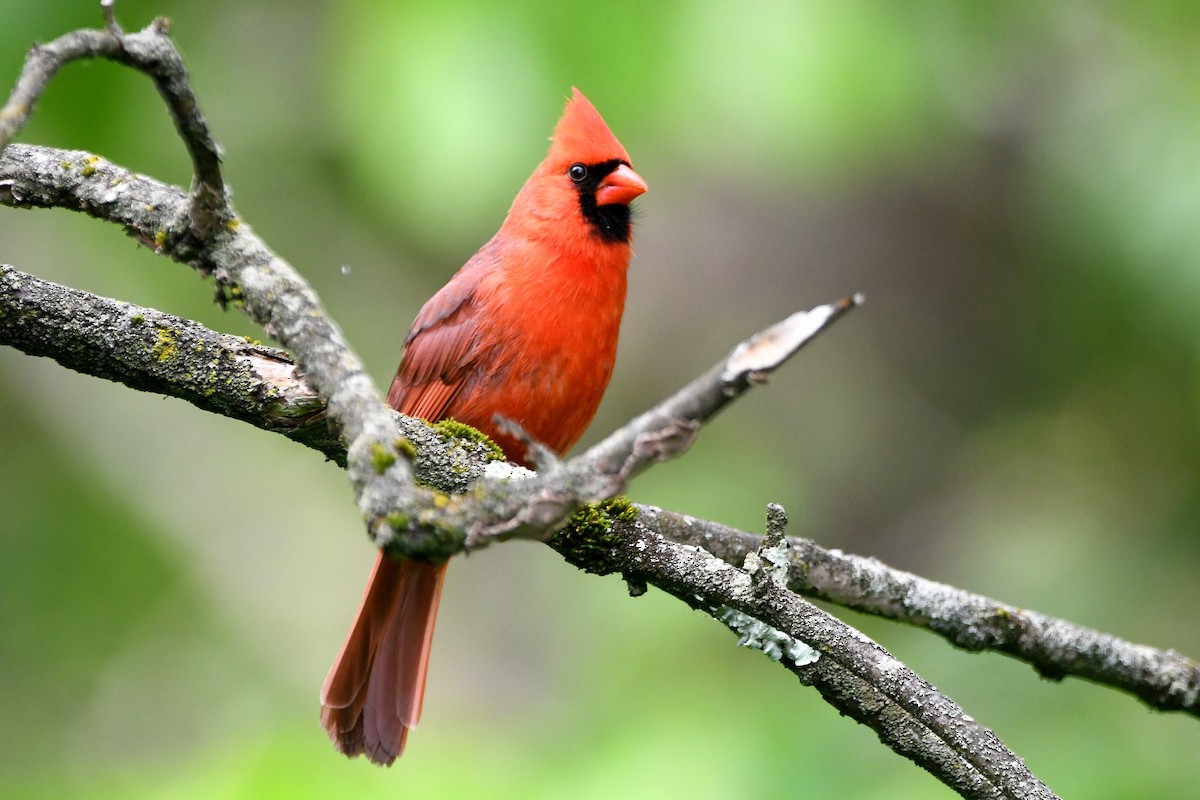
[756,634]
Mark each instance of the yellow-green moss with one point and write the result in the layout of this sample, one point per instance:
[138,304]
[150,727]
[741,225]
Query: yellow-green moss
[588,540]
[405,448]
[231,293]
[167,346]
[381,458]
[137,319]
[425,537]
[451,429]
[89,166]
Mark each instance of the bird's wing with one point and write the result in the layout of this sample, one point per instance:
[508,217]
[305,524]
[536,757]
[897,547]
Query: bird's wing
[440,349]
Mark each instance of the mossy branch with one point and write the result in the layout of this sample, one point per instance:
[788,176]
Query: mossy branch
[152,351]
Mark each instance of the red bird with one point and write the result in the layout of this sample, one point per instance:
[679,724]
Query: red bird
[527,329]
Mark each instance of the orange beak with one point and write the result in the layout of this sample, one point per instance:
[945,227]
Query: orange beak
[619,187]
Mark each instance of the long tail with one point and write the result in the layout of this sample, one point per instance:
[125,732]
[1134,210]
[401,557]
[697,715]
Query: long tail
[372,696]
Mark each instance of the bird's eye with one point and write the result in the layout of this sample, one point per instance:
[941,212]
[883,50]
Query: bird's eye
[577,172]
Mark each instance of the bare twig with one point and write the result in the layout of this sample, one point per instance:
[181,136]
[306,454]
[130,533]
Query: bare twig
[667,430]
[41,64]
[149,51]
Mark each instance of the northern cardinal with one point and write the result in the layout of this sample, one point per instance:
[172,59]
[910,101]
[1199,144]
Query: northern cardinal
[527,329]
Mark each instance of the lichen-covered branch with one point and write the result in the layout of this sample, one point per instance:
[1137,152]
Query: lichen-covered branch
[667,430]
[204,231]
[151,351]
[854,674]
[1164,679]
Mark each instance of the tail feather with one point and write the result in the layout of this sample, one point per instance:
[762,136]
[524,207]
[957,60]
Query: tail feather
[373,694]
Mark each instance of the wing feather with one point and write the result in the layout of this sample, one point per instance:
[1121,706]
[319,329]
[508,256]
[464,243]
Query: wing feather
[442,346]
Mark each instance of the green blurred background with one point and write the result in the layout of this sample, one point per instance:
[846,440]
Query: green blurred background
[1016,410]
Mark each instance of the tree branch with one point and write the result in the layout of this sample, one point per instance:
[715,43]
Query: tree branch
[540,503]
[1163,679]
[151,351]
[852,673]
[33,310]
[151,52]
[206,233]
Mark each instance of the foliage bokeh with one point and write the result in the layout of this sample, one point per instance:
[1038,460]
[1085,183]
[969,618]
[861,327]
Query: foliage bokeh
[1016,411]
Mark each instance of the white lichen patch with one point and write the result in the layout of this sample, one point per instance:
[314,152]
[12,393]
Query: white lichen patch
[503,471]
[771,560]
[114,192]
[774,643]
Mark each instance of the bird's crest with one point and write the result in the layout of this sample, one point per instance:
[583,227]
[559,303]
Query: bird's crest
[582,135]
